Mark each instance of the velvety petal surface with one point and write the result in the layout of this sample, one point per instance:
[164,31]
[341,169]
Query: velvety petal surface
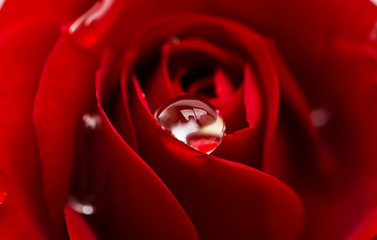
[25,206]
[223,199]
[76,225]
[65,93]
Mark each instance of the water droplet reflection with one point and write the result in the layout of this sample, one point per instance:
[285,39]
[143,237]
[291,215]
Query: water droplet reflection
[193,121]
[83,208]
[91,121]
[93,14]
[2,3]
[91,27]
[89,175]
[3,187]
[319,117]
[374,2]
[174,40]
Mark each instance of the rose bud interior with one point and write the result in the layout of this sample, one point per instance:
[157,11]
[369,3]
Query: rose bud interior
[98,140]
[228,65]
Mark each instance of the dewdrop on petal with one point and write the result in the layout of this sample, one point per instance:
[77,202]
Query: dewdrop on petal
[193,121]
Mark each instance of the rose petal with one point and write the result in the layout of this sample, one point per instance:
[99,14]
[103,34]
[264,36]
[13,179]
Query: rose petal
[244,144]
[16,11]
[298,31]
[66,92]
[234,113]
[138,203]
[223,199]
[223,85]
[295,113]
[366,230]
[110,96]
[159,88]
[76,225]
[268,88]
[20,69]
[194,26]
[333,193]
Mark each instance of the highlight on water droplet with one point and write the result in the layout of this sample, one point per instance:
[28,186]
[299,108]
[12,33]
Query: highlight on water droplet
[94,13]
[93,25]
[319,117]
[2,3]
[83,208]
[174,40]
[193,121]
[91,121]
[89,173]
[3,187]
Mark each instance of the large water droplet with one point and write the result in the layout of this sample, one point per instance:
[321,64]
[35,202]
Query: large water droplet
[193,121]
[3,187]
[90,167]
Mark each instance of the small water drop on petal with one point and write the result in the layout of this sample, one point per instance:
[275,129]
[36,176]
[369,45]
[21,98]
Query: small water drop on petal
[91,121]
[88,29]
[94,13]
[319,117]
[3,187]
[174,40]
[89,174]
[82,208]
[193,121]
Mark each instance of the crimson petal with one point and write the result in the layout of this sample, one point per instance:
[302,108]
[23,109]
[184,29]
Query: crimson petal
[224,199]
[25,206]
[66,92]
[76,225]
[139,204]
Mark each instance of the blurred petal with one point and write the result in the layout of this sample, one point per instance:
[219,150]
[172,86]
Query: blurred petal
[65,93]
[223,199]
[24,49]
[138,203]
[367,229]
[76,225]
[139,206]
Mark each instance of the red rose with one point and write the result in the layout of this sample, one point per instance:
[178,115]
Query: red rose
[295,83]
